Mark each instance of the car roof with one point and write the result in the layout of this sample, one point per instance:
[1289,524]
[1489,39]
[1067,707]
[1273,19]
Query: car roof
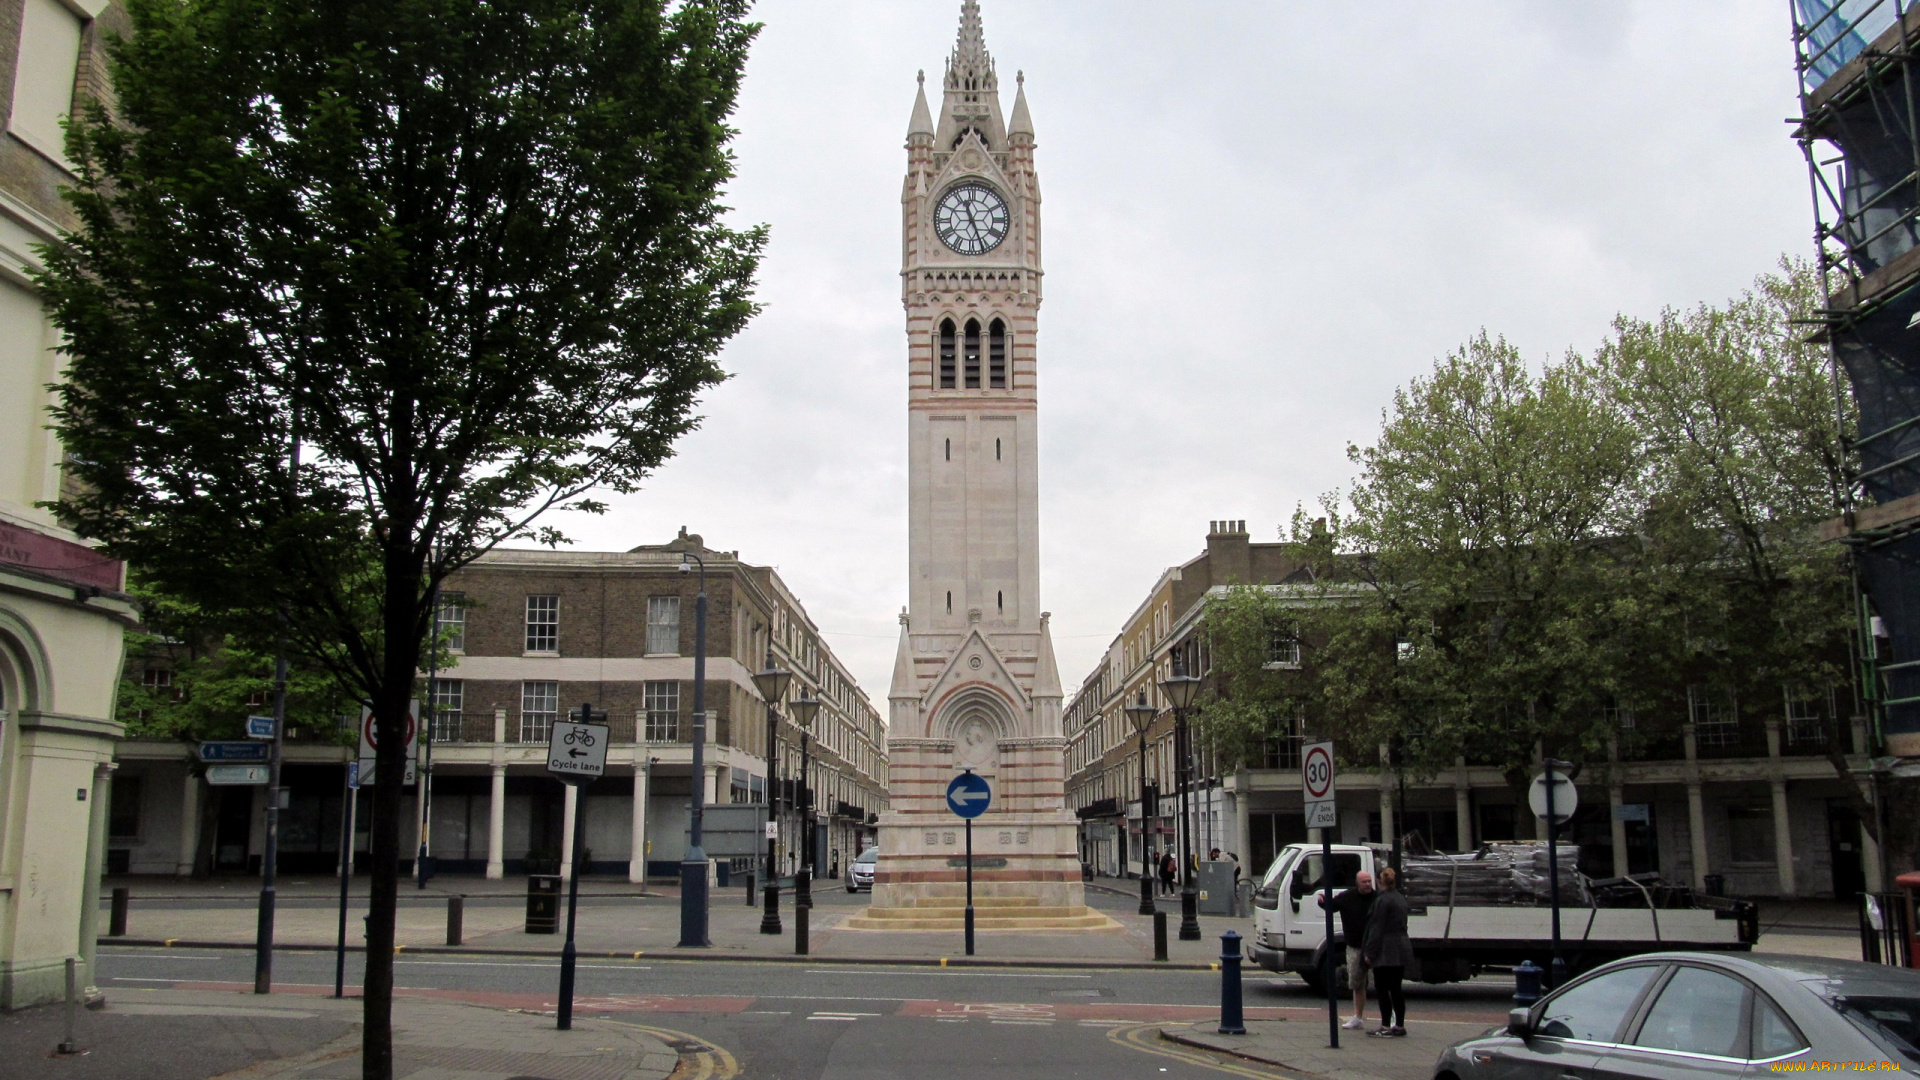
[1822,975]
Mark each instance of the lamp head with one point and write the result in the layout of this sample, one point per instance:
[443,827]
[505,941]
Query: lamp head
[1141,713]
[803,708]
[772,680]
[1181,690]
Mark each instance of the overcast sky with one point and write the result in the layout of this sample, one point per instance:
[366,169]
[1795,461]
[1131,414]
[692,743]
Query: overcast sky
[1260,217]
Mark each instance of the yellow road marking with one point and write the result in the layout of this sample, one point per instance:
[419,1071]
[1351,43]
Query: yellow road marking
[1146,1037]
[700,1059]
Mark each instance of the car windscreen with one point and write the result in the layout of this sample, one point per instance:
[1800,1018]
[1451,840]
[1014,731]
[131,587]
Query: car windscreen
[869,855]
[1893,1020]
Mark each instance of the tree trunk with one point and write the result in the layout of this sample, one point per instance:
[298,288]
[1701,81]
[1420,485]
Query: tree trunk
[391,720]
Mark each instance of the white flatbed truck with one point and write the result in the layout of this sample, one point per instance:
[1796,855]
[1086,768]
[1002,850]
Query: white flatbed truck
[1454,943]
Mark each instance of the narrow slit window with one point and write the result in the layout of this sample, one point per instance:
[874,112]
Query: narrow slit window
[973,354]
[996,449]
[949,601]
[1000,600]
[946,354]
[997,355]
[949,451]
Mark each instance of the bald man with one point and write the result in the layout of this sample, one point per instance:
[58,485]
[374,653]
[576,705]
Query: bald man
[1353,907]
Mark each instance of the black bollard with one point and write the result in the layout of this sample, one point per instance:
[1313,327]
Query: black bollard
[800,930]
[1159,935]
[750,895]
[1526,983]
[1232,1018]
[117,920]
[456,919]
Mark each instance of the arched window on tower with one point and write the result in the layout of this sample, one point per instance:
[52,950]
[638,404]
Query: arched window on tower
[997,355]
[973,354]
[946,354]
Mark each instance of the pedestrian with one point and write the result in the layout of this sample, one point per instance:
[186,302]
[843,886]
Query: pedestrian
[1387,950]
[1354,906]
[1169,869]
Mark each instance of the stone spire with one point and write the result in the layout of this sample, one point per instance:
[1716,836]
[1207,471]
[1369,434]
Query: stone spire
[970,67]
[1021,123]
[922,122]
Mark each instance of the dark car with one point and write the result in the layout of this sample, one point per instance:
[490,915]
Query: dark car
[1703,1015]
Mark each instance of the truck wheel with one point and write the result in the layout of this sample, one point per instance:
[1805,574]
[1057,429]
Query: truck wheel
[1315,981]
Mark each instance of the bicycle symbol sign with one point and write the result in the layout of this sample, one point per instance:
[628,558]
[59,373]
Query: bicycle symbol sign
[577,752]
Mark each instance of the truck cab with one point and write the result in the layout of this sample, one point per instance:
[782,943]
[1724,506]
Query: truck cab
[1290,926]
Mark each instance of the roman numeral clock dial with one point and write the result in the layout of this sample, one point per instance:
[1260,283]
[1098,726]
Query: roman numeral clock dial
[971,219]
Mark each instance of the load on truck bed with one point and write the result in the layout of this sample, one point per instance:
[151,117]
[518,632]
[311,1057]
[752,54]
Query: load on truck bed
[1489,908]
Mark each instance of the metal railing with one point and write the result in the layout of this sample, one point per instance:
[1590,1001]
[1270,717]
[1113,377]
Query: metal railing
[1886,929]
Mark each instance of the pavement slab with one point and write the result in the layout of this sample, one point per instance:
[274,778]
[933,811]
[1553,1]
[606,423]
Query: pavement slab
[208,1033]
[1302,1046]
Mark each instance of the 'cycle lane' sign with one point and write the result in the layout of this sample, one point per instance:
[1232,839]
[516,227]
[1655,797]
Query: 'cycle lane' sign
[577,751]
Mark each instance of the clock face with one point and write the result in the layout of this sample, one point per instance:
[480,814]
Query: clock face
[971,219]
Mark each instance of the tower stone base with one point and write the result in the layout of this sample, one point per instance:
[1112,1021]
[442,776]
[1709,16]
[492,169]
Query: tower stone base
[1032,856]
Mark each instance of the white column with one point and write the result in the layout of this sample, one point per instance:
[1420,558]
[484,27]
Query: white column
[567,827]
[497,825]
[1616,800]
[1462,805]
[1696,808]
[637,864]
[189,825]
[1783,840]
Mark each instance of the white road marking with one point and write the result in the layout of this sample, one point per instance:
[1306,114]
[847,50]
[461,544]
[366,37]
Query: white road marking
[944,971]
[1028,1023]
[167,956]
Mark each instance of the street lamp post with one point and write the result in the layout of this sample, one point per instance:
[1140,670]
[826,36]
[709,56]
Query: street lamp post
[1181,690]
[1142,714]
[804,707]
[693,868]
[772,683]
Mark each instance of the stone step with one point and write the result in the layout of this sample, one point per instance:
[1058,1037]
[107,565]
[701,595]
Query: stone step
[1090,921]
[925,902]
[959,912]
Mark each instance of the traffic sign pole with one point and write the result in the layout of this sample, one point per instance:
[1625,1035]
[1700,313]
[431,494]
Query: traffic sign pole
[1558,968]
[577,754]
[1316,784]
[270,857]
[968,796]
[969,886]
[349,803]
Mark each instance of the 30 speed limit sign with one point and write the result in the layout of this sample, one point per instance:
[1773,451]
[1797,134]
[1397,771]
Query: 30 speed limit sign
[1316,785]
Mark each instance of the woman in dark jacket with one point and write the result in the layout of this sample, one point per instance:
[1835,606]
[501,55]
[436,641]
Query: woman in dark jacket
[1388,949]
[1169,869]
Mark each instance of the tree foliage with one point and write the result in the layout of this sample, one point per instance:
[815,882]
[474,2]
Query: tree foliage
[469,257]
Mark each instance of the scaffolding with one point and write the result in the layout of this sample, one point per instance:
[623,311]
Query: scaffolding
[1856,61]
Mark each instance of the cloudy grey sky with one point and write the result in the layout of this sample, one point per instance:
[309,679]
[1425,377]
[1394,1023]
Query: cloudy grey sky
[1260,217]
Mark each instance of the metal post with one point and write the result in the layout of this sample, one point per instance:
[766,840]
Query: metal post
[1189,889]
[426,768]
[693,868]
[1146,849]
[969,822]
[117,918]
[1558,969]
[567,952]
[456,914]
[71,1044]
[1332,965]
[749,888]
[770,920]
[349,811]
[1159,935]
[800,931]
[263,936]
[1232,1017]
[803,881]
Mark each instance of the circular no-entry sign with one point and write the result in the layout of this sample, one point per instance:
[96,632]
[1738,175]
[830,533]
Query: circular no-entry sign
[1316,771]
[371,735]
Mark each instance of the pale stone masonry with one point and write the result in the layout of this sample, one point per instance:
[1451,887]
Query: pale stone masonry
[62,610]
[974,682]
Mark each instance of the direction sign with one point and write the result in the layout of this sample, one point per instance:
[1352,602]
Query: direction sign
[577,753]
[234,751]
[969,795]
[219,775]
[1566,798]
[259,727]
[1317,786]
[353,776]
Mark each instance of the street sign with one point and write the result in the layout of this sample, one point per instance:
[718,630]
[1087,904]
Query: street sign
[968,795]
[369,746]
[259,727]
[220,775]
[1566,798]
[773,830]
[353,776]
[1317,786]
[577,753]
[731,830]
[234,751]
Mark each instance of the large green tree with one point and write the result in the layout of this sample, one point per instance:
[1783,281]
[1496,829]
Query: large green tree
[468,258]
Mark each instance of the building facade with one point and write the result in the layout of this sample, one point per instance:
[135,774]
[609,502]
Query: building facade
[62,610]
[1756,806]
[533,635]
[974,682]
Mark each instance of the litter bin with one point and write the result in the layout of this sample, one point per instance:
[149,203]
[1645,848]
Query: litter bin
[543,903]
[1716,884]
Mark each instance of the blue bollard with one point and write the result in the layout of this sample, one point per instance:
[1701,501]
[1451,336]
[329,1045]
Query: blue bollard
[1526,983]
[1232,1018]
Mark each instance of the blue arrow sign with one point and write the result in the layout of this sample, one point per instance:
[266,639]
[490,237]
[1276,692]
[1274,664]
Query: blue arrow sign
[259,727]
[234,751]
[968,795]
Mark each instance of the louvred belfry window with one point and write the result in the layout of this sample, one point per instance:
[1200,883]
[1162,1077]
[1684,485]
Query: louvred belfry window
[973,354]
[946,354]
[997,355]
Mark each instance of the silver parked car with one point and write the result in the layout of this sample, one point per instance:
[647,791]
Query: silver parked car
[860,870]
[1704,1015]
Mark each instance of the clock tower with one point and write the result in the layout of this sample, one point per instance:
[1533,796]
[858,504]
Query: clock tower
[974,682]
